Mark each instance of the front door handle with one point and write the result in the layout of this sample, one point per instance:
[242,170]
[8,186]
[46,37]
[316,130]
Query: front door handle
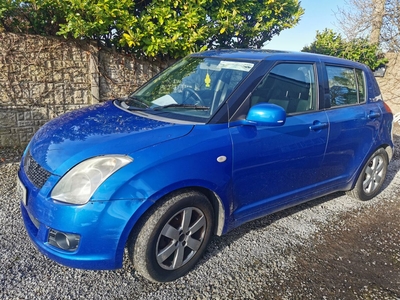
[317,125]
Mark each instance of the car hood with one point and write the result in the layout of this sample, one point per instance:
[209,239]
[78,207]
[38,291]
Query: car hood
[97,130]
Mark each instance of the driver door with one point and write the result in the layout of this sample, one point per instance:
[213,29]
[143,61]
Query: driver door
[276,167]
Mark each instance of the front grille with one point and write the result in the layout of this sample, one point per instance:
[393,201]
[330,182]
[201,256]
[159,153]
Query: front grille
[36,174]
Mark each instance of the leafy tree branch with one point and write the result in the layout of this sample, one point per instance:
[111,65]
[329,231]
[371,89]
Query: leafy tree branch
[152,27]
[358,49]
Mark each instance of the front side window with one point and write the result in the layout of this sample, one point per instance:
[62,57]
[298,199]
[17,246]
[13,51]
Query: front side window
[192,89]
[289,85]
[346,86]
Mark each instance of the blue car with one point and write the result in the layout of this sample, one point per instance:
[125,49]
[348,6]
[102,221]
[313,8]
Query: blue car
[218,139]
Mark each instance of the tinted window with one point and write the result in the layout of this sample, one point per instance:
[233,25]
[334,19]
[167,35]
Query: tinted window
[289,85]
[361,85]
[346,86]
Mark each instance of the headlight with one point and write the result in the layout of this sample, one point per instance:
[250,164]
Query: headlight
[79,183]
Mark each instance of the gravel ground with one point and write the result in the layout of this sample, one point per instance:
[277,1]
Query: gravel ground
[330,248]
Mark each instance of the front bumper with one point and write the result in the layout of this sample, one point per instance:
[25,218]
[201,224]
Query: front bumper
[102,226]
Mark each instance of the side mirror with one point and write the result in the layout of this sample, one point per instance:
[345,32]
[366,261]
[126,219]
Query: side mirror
[266,114]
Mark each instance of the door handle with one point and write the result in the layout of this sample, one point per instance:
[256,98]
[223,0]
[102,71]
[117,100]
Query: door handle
[373,115]
[317,125]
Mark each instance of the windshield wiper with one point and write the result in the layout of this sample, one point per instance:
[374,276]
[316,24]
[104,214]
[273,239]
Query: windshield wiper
[186,106]
[124,103]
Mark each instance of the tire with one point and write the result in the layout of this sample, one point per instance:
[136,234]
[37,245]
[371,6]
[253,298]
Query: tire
[372,176]
[172,237]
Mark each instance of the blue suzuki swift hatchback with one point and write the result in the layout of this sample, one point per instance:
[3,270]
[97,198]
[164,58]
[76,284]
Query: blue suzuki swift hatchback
[216,140]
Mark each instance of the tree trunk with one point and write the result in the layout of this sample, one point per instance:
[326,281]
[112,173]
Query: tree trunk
[377,20]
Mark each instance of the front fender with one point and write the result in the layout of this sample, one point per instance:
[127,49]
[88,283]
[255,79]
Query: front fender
[202,159]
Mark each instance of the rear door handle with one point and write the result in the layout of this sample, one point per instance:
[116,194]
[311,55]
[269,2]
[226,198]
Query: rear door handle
[317,125]
[373,115]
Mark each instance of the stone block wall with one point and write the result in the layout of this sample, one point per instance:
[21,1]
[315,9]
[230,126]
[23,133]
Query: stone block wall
[41,78]
[121,74]
[390,83]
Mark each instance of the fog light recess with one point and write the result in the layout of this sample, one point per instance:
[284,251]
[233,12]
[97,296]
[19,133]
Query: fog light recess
[63,240]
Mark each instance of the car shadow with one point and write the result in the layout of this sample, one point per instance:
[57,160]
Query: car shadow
[219,243]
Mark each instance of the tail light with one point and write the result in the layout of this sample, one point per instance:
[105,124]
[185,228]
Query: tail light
[387,107]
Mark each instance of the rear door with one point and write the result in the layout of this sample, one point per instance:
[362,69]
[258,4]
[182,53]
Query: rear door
[354,123]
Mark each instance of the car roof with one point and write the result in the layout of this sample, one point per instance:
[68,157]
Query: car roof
[272,55]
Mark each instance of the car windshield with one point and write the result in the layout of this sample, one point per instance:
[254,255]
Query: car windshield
[192,89]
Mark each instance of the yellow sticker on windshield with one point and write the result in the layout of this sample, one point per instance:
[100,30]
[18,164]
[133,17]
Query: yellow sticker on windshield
[207,80]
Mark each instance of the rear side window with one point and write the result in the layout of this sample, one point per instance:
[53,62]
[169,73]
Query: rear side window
[346,86]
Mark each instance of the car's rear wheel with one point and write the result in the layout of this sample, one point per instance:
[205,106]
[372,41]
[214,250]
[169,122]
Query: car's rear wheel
[172,237]
[371,177]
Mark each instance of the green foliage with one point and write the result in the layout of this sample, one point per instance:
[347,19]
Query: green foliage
[244,23]
[155,27]
[359,49]
[33,17]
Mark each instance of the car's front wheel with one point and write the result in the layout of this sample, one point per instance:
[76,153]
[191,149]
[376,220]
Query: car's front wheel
[172,237]
[371,177]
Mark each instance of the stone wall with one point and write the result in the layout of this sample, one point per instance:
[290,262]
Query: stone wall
[41,78]
[121,74]
[390,83]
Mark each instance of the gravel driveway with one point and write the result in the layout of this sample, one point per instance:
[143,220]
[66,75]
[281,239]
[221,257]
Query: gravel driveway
[330,248]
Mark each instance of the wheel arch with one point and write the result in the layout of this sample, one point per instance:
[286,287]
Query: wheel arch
[389,152]
[215,200]
[218,207]
[357,189]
